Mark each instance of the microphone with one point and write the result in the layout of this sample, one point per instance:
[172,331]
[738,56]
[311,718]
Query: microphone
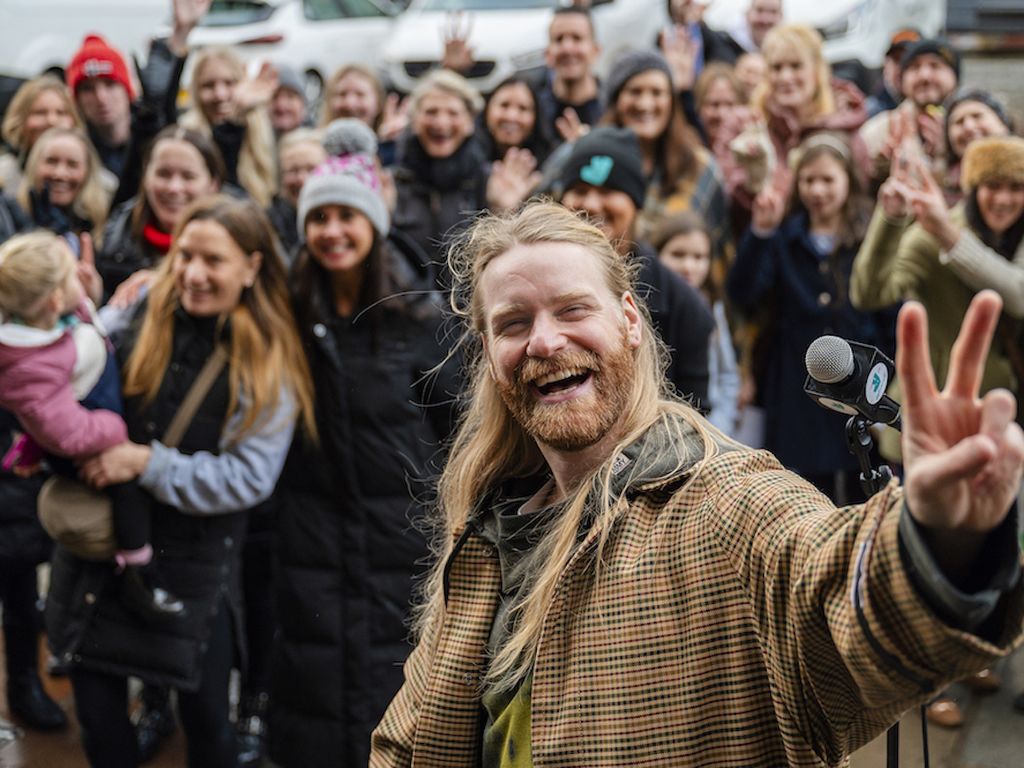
[851,378]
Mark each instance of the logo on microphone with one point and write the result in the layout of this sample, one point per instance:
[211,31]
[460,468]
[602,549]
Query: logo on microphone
[877,381]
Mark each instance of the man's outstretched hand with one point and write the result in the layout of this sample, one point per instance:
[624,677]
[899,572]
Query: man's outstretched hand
[963,454]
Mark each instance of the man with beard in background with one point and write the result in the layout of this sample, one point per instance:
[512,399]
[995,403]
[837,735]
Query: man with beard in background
[929,72]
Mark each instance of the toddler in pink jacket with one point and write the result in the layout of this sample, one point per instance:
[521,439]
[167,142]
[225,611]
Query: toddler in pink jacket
[59,377]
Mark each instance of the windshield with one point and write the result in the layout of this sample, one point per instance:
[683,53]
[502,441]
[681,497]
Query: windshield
[230,13]
[486,5]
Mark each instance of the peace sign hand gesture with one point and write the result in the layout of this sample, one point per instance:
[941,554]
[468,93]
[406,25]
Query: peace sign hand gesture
[88,275]
[925,199]
[963,455]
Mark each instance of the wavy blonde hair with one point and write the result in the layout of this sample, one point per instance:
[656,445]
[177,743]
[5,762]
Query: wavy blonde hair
[806,43]
[257,173]
[92,201]
[490,446]
[13,127]
[266,353]
[449,83]
[32,267]
[327,116]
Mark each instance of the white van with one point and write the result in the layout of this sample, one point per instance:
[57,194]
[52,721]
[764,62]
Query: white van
[854,31]
[509,36]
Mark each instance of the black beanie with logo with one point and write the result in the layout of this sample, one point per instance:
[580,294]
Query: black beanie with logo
[608,158]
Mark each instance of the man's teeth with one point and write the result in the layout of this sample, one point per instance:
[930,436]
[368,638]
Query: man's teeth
[543,381]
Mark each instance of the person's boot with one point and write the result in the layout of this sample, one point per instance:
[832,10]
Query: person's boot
[251,727]
[945,712]
[142,593]
[153,722]
[27,699]
[985,681]
[25,695]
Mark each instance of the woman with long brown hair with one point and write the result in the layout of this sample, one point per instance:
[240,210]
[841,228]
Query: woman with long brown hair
[221,287]
[681,174]
[179,166]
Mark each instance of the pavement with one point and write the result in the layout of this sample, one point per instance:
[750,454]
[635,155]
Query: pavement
[992,735]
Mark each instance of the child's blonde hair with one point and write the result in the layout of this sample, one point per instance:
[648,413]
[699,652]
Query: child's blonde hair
[32,267]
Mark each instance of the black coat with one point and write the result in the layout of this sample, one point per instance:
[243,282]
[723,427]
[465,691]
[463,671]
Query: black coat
[681,318]
[87,624]
[123,254]
[808,296]
[12,219]
[349,547]
[438,198]
[282,217]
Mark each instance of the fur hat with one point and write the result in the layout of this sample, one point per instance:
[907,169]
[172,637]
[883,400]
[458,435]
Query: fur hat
[349,176]
[995,158]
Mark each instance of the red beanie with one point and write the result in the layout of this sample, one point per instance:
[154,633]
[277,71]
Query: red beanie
[97,59]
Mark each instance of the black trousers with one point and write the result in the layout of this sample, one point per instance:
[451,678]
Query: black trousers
[18,595]
[101,702]
[258,591]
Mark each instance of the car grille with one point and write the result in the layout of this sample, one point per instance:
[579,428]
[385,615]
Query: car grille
[417,69]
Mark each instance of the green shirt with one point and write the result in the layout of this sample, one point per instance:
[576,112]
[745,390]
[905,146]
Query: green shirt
[506,733]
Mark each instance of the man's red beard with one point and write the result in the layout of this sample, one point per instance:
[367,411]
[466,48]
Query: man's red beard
[575,424]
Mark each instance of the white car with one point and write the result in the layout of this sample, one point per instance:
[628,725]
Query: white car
[853,30]
[39,36]
[509,36]
[314,37]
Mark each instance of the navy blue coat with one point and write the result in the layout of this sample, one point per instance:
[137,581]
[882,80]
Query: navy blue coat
[808,296]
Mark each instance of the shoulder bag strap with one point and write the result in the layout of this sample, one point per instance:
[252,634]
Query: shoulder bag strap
[195,396]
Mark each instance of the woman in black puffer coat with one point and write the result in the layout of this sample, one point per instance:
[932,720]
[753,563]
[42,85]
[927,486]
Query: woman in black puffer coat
[349,548]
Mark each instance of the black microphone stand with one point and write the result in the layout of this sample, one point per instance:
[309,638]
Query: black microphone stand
[872,480]
[860,442]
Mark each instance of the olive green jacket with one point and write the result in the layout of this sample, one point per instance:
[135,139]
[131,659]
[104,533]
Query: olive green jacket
[899,260]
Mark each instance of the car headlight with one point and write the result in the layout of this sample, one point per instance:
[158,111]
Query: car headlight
[851,20]
[528,60]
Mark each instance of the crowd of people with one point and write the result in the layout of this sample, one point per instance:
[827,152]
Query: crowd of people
[236,319]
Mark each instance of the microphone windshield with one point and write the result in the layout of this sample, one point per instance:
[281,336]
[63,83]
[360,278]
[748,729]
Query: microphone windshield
[829,359]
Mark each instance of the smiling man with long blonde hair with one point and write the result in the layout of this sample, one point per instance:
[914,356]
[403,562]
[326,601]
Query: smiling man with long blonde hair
[619,584]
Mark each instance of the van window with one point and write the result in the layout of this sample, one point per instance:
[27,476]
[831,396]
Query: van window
[486,5]
[229,13]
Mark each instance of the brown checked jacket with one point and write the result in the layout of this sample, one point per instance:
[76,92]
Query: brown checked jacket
[739,620]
